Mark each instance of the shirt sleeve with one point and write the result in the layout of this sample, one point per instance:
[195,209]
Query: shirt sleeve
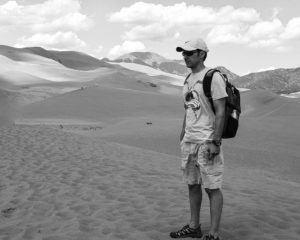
[218,87]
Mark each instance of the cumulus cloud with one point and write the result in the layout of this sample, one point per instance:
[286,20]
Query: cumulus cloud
[148,21]
[227,33]
[260,34]
[265,29]
[9,13]
[53,19]
[126,47]
[72,21]
[156,22]
[155,31]
[292,30]
[51,15]
[58,40]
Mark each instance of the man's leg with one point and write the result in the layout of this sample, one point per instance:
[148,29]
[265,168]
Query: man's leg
[216,205]
[195,197]
[193,229]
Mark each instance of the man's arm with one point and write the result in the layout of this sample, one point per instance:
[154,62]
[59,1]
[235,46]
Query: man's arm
[183,128]
[219,106]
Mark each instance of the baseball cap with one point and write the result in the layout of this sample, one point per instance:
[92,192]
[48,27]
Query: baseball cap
[193,44]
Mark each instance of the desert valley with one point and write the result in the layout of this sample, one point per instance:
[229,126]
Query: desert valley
[90,149]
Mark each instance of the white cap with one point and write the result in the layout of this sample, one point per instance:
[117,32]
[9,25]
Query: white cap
[193,45]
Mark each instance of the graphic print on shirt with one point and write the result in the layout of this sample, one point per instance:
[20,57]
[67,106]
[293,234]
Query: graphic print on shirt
[192,104]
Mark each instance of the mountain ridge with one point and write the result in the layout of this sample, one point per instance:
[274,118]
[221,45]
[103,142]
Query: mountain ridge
[280,81]
[71,59]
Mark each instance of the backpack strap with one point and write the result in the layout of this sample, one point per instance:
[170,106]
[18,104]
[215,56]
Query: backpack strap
[185,82]
[207,86]
[187,77]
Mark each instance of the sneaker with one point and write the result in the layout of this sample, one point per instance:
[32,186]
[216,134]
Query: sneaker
[210,237]
[186,231]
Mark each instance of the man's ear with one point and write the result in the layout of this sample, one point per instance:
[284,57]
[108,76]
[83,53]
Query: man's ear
[202,54]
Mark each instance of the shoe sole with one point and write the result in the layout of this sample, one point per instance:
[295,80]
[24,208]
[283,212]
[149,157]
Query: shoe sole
[189,236]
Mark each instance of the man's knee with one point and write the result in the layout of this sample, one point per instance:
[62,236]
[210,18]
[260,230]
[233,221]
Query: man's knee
[212,191]
[194,187]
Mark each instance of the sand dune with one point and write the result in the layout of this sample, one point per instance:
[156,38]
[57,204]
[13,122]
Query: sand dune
[15,78]
[105,104]
[150,71]
[72,182]
[70,59]
[102,161]
[48,69]
[269,133]
[58,185]
[261,103]
[36,74]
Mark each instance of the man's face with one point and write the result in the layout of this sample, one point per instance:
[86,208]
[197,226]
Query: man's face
[192,58]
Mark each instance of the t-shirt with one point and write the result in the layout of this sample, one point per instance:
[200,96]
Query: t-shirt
[200,118]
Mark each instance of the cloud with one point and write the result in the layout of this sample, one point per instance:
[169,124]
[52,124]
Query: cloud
[157,22]
[292,30]
[265,29]
[227,33]
[260,34]
[72,21]
[141,13]
[51,15]
[263,34]
[48,22]
[10,13]
[243,26]
[58,40]
[155,31]
[126,47]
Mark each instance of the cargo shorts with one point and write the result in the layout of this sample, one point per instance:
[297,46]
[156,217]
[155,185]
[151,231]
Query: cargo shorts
[198,169]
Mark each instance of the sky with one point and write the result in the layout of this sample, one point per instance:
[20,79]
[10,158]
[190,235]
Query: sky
[243,36]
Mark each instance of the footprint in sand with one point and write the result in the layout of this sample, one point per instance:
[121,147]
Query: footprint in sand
[8,212]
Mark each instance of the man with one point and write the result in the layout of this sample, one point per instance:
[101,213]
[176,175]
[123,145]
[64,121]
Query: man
[201,153]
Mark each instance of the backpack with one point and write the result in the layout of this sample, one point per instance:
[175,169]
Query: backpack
[232,107]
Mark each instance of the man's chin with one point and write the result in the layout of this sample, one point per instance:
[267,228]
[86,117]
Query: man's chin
[188,65]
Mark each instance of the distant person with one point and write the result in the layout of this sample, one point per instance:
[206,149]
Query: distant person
[201,152]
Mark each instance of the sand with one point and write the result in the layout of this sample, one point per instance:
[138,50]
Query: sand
[102,162]
[57,184]
[68,177]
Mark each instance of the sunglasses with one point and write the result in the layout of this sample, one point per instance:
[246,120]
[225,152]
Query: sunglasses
[189,53]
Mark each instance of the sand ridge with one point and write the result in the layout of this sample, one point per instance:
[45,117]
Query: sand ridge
[61,185]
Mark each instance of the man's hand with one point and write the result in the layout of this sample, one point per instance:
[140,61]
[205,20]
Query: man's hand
[183,128]
[212,150]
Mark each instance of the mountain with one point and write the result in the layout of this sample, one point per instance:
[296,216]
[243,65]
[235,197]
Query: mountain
[278,80]
[70,59]
[230,75]
[35,65]
[147,58]
[156,61]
